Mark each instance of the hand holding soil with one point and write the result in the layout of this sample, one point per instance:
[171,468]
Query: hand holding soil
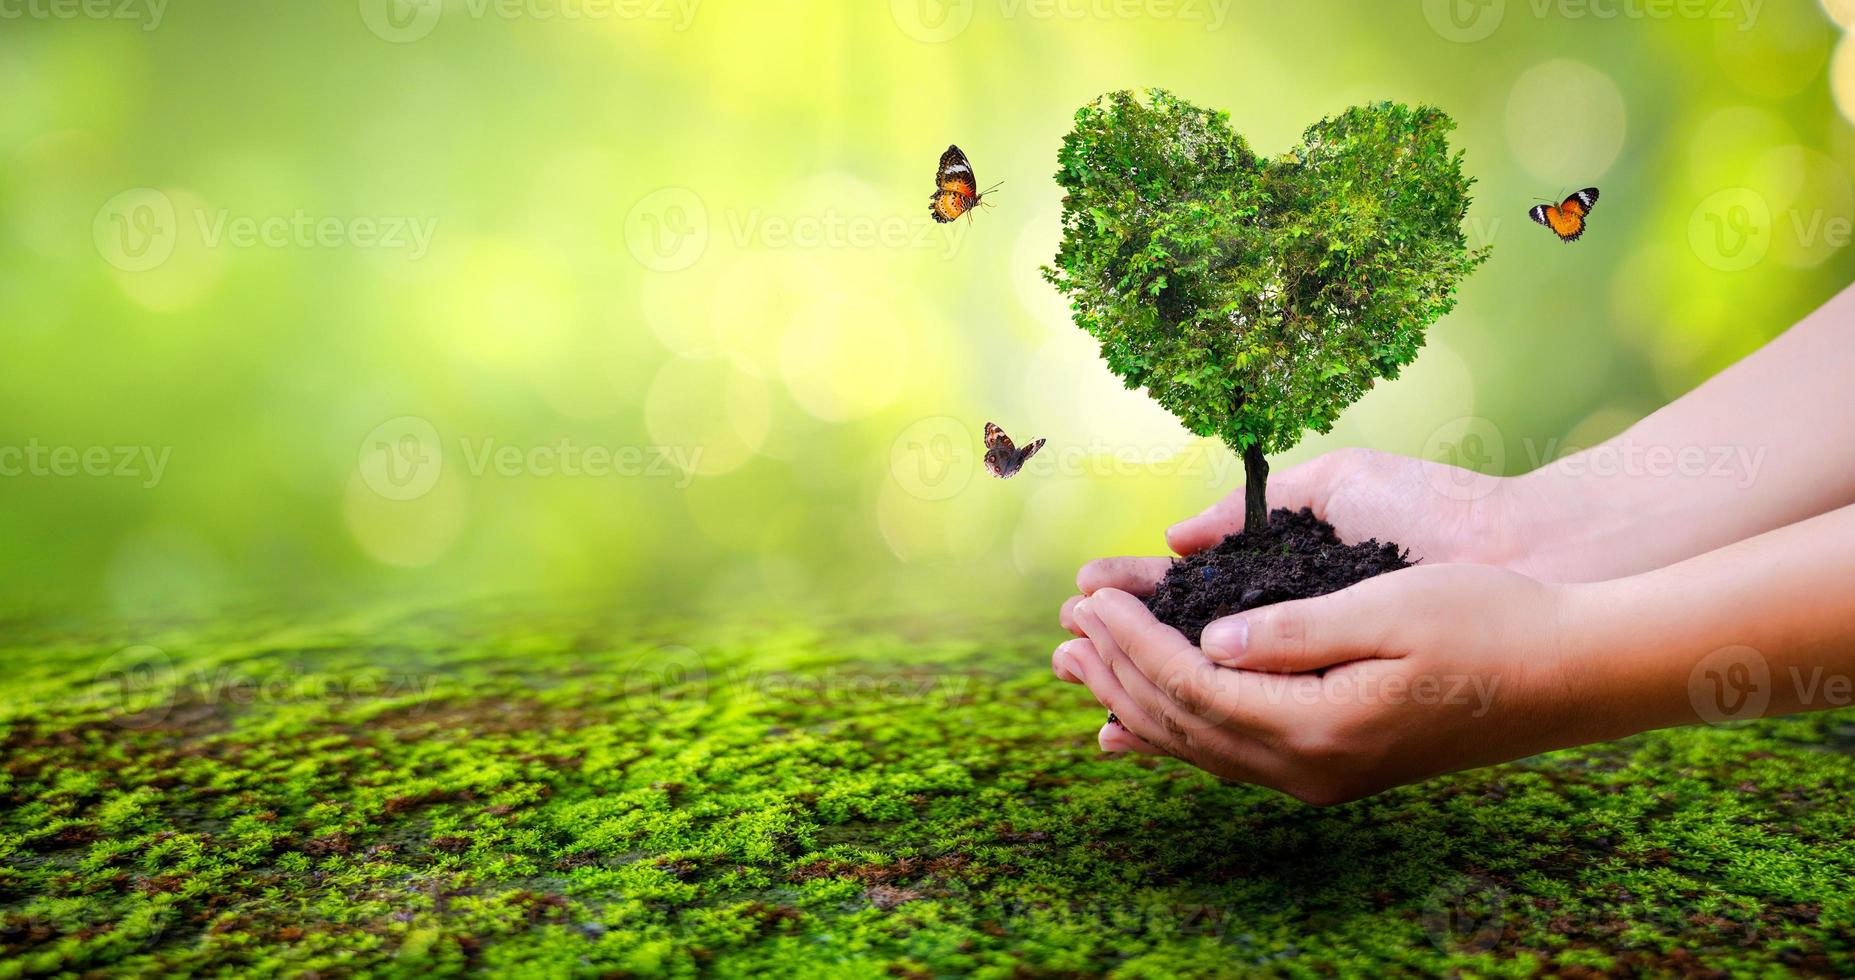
[1444,667]
[1579,603]
[1333,698]
[1372,495]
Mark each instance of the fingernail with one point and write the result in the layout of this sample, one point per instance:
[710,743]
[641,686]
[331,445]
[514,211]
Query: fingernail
[1109,738]
[1066,664]
[1082,607]
[1225,640]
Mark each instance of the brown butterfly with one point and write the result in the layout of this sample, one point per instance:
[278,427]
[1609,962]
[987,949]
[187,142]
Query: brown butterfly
[1567,219]
[1002,458]
[956,189]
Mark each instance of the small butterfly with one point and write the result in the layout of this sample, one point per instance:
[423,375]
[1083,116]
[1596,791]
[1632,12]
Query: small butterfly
[1003,458]
[1567,219]
[957,190]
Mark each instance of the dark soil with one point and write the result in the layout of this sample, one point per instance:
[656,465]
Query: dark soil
[1299,557]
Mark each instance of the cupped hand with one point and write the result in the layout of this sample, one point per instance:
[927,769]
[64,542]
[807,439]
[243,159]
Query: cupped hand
[1419,672]
[1441,513]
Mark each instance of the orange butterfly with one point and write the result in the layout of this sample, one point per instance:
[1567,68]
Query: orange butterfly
[958,191]
[1567,220]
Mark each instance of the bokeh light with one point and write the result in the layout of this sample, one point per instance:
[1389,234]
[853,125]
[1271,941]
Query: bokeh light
[1551,92]
[1776,52]
[711,410]
[1718,146]
[1400,415]
[845,355]
[407,533]
[1842,77]
[710,241]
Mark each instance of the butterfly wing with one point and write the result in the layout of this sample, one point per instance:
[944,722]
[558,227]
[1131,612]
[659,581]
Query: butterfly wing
[956,188]
[1003,459]
[1025,454]
[1567,219]
[1581,203]
[949,205]
[995,438]
[1568,225]
[956,173]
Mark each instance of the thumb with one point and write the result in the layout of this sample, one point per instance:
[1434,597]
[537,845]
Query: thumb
[1300,636]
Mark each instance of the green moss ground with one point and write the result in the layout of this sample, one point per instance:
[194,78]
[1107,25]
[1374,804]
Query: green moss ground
[513,790]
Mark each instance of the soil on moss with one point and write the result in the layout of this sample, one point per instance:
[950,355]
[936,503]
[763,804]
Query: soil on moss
[1299,557]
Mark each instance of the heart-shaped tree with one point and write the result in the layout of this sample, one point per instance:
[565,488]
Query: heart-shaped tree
[1256,299]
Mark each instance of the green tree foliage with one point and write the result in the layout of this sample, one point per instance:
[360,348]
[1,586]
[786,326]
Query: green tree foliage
[1256,299]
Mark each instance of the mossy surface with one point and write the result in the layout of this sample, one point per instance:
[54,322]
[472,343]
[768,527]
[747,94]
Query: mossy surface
[553,793]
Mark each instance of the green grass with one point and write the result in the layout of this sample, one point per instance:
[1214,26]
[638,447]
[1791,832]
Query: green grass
[504,789]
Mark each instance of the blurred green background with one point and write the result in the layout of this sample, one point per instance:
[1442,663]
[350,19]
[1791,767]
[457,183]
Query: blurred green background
[641,296]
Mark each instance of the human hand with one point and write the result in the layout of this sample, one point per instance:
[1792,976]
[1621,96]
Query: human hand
[1441,513]
[1416,673]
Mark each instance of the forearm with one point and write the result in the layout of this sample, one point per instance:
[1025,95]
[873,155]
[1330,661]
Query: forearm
[1767,442]
[1765,626]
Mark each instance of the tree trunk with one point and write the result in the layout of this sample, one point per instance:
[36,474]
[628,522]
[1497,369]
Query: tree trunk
[1256,490]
